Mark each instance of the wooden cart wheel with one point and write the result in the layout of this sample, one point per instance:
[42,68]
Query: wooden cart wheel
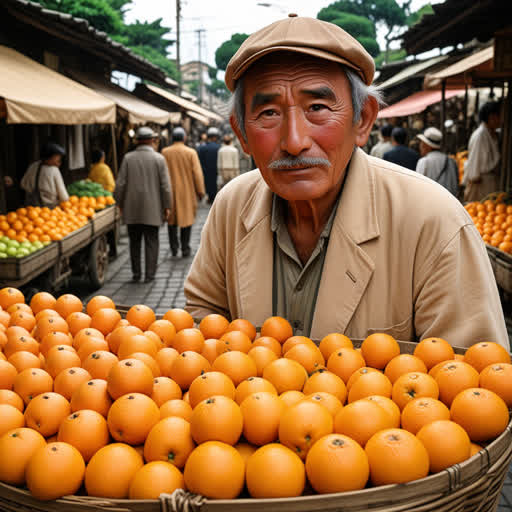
[98,262]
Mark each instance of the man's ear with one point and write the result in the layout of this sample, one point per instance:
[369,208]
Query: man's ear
[365,124]
[234,125]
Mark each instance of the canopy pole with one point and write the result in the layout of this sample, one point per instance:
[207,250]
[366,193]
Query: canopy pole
[114,149]
[506,143]
[466,101]
[443,110]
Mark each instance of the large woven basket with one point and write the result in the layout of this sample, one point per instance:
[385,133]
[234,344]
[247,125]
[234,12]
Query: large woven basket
[473,486]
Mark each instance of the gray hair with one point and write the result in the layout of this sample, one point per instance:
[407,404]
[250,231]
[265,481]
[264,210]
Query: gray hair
[360,93]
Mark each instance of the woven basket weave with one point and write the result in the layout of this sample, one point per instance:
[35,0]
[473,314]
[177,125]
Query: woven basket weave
[472,486]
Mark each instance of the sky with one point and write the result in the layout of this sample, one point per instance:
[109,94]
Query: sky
[222,18]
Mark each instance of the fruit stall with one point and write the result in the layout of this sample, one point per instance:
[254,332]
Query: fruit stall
[40,248]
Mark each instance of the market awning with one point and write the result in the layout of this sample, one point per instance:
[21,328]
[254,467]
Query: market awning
[456,74]
[36,94]
[186,104]
[198,117]
[416,103]
[138,111]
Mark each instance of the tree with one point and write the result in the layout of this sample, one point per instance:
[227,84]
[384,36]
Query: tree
[218,88]
[227,49]
[415,17]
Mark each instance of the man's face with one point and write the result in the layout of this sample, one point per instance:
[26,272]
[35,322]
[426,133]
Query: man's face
[424,148]
[296,106]
[55,160]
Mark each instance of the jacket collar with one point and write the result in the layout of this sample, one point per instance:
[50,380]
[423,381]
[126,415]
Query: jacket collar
[144,147]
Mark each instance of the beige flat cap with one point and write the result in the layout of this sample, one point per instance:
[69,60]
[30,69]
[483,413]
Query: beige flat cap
[302,35]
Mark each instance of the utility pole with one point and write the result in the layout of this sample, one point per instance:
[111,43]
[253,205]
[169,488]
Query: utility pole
[178,65]
[200,66]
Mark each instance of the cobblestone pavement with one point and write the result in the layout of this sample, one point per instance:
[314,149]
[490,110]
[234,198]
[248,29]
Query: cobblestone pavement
[166,292]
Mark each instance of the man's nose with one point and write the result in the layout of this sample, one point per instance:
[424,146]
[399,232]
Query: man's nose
[295,136]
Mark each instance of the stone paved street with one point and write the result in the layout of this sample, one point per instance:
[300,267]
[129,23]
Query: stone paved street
[167,292]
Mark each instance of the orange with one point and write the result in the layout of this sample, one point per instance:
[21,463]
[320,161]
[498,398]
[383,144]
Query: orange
[17,343]
[481,413]
[165,389]
[210,384]
[111,470]
[308,356]
[78,321]
[287,470]
[413,385]
[336,463]
[215,470]
[129,376]
[67,304]
[99,302]
[45,413]
[60,358]
[153,336]
[165,330]
[238,366]
[421,411]
[245,450]
[190,339]
[453,377]
[292,397]
[52,339]
[403,363]
[333,342]
[8,374]
[180,318]
[433,371]
[68,380]
[105,320]
[329,401]
[11,398]
[165,358]
[395,457]
[277,328]
[22,360]
[323,380]
[371,383]
[136,343]
[55,470]
[262,356]
[253,385]
[86,430]
[485,353]
[141,316]
[16,449]
[360,420]
[42,300]
[210,349]
[446,442]
[475,448]
[92,395]
[10,296]
[23,319]
[131,417]
[154,479]
[378,349]
[261,413]
[213,325]
[269,342]
[240,324]
[302,424]
[50,324]
[344,362]
[32,382]
[285,374]
[234,340]
[10,418]
[169,440]
[497,378]
[433,350]
[20,307]
[217,418]
[392,410]
[119,334]
[86,334]
[292,341]
[175,407]
[4,318]
[186,367]
[99,364]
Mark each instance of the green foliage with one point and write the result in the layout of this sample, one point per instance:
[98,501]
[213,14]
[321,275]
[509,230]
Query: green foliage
[227,49]
[121,6]
[212,72]
[219,89]
[357,26]
[154,56]
[416,16]
[384,11]
[370,45]
[393,56]
[148,34]
[193,87]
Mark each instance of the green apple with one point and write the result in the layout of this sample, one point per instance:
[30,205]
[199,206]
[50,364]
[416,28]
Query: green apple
[11,250]
[22,252]
[13,243]
[3,254]
[3,246]
[5,239]
[38,245]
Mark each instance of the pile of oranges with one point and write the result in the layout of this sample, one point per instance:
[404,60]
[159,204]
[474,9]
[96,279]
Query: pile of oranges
[92,403]
[35,223]
[493,219]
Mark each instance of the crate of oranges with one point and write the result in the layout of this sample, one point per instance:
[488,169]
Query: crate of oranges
[109,409]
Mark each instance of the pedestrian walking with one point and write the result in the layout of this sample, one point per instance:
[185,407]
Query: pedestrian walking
[401,154]
[435,164]
[100,172]
[384,145]
[143,192]
[187,185]
[228,160]
[208,158]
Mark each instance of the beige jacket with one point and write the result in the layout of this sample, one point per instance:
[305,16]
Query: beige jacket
[187,183]
[404,258]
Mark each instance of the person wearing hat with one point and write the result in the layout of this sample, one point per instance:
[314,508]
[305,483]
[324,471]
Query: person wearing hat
[208,158]
[42,182]
[187,187]
[228,160]
[322,234]
[384,144]
[435,164]
[143,192]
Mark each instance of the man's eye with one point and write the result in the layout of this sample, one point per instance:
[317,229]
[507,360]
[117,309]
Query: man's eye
[269,112]
[316,107]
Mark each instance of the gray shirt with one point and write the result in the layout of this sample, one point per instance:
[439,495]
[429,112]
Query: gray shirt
[432,165]
[380,148]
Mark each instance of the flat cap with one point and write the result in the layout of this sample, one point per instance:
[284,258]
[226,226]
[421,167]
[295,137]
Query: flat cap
[145,133]
[302,35]
[178,132]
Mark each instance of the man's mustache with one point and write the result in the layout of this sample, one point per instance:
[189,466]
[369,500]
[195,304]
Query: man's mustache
[299,162]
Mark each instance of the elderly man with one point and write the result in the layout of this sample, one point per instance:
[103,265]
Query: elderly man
[143,192]
[228,160]
[322,234]
[187,187]
[208,158]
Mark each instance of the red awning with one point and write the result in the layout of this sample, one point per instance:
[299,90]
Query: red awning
[416,103]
